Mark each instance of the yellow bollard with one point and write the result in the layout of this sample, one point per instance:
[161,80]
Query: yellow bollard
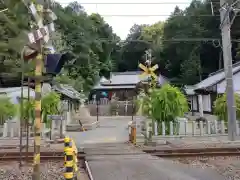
[67,143]
[134,134]
[69,163]
[75,152]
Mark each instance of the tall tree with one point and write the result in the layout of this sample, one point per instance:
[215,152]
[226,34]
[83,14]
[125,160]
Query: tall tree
[179,44]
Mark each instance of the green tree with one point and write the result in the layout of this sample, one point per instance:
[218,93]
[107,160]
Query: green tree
[7,109]
[220,107]
[185,61]
[164,104]
[88,38]
[50,105]
[91,42]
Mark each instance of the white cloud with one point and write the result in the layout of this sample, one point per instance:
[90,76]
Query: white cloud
[122,23]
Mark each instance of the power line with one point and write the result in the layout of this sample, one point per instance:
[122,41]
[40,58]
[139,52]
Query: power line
[168,40]
[188,40]
[158,15]
[135,3]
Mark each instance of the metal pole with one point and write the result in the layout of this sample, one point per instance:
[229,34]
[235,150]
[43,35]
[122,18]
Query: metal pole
[132,108]
[227,56]
[21,110]
[97,109]
[27,120]
[37,129]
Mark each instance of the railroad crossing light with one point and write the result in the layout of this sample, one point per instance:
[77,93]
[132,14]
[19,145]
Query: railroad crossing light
[55,62]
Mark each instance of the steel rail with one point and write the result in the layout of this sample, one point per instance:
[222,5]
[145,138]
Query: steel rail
[167,153]
[199,154]
[191,150]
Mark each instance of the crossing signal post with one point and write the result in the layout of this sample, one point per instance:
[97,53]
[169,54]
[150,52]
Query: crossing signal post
[38,39]
[148,71]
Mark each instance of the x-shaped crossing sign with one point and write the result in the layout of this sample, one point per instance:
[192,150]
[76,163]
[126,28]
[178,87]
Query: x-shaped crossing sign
[148,71]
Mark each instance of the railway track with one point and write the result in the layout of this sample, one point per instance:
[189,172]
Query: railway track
[191,152]
[164,153]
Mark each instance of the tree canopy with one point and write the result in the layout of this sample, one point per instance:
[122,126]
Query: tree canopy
[181,45]
[88,38]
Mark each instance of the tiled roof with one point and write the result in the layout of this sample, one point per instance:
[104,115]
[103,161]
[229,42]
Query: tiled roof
[125,78]
[130,78]
[216,77]
[114,87]
[68,91]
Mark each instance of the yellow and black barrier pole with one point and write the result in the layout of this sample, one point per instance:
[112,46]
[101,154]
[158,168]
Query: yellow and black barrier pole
[75,160]
[134,133]
[71,160]
[68,159]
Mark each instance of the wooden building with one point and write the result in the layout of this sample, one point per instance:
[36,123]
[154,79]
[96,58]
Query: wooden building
[122,84]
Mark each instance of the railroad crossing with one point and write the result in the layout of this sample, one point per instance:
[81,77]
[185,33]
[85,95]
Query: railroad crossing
[107,160]
[109,156]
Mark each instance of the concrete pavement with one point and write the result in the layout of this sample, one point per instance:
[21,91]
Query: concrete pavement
[136,165]
[109,138]
[110,130]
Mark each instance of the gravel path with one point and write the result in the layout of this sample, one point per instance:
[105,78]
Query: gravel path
[52,170]
[229,167]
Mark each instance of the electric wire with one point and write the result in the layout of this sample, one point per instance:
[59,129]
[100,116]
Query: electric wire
[134,3]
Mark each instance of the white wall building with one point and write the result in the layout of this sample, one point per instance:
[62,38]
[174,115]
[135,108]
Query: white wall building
[202,95]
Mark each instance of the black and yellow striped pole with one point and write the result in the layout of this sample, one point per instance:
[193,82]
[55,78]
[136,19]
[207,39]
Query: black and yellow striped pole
[38,92]
[68,159]
[37,132]
[75,159]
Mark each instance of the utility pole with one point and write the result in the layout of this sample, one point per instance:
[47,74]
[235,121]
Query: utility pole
[39,39]
[38,94]
[227,56]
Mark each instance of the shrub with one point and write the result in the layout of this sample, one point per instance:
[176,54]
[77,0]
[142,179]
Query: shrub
[7,109]
[220,107]
[164,104]
[50,105]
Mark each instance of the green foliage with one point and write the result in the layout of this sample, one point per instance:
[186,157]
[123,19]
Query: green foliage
[91,42]
[7,109]
[220,107]
[50,105]
[13,36]
[88,38]
[188,60]
[238,52]
[97,50]
[165,104]
[28,110]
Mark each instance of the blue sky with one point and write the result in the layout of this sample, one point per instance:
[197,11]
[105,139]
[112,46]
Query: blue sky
[116,14]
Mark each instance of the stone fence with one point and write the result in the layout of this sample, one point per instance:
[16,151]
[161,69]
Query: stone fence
[11,129]
[184,127]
